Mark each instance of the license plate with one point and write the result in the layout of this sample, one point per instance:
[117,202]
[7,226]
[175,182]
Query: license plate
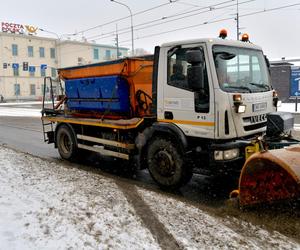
[259,106]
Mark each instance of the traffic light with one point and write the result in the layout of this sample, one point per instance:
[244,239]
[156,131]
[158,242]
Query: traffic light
[25,66]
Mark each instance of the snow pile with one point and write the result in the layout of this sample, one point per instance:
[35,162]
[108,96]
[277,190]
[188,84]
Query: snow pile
[20,112]
[47,206]
[289,107]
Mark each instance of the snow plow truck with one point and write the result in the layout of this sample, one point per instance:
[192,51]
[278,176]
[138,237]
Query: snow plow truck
[196,105]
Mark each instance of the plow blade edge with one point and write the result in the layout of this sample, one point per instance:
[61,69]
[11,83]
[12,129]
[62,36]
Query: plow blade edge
[270,176]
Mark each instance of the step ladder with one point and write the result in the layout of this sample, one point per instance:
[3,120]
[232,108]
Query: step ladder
[48,131]
[48,126]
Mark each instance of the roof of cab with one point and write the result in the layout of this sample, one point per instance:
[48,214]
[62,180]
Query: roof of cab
[218,41]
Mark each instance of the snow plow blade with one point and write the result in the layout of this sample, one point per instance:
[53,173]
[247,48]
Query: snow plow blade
[269,177]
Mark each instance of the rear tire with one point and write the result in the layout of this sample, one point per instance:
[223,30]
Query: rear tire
[166,164]
[66,143]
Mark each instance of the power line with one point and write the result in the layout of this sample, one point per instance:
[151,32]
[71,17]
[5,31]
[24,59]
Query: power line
[220,8]
[122,18]
[216,21]
[210,8]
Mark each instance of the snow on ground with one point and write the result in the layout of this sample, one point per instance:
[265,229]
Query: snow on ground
[23,103]
[197,229]
[20,112]
[21,109]
[289,107]
[47,205]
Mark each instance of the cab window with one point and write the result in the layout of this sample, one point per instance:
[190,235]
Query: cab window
[178,76]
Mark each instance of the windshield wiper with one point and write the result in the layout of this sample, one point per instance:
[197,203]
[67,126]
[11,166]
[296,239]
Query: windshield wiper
[224,55]
[265,86]
[239,87]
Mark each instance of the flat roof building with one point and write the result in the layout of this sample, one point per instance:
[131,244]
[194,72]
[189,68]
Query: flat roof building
[26,59]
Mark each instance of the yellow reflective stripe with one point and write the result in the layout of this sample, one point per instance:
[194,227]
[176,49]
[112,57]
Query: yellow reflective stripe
[89,123]
[209,124]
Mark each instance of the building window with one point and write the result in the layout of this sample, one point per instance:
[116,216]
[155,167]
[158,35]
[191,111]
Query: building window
[14,49]
[96,54]
[16,71]
[31,70]
[30,51]
[32,89]
[181,75]
[107,54]
[17,90]
[43,72]
[53,72]
[52,53]
[42,52]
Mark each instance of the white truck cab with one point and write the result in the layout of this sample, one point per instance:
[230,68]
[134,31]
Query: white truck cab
[217,92]
[234,98]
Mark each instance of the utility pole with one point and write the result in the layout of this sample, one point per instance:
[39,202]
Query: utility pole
[237,21]
[117,41]
[131,21]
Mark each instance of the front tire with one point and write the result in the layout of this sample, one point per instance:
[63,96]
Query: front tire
[66,143]
[166,164]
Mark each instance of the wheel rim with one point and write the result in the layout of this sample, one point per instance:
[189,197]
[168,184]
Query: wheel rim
[65,143]
[164,163]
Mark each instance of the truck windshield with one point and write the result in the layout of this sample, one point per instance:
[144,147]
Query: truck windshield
[241,70]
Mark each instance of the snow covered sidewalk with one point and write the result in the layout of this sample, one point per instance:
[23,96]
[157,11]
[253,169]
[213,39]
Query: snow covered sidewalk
[45,205]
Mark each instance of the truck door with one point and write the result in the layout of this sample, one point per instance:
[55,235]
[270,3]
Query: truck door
[185,93]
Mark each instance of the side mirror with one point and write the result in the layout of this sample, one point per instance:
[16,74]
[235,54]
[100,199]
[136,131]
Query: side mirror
[267,61]
[195,77]
[194,56]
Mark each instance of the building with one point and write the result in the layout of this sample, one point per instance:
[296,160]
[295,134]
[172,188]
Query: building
[25,59]
[285,77]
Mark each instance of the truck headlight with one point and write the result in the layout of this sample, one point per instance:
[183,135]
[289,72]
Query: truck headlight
[241,109]
[226,154]
[231,153]
[218,155]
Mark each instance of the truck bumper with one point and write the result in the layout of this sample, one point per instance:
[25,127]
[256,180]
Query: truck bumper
[228,157]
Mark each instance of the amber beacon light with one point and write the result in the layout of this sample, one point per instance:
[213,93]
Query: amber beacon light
[223,33]
[245,37]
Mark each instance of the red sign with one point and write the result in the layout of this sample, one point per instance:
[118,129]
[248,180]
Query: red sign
[12,28]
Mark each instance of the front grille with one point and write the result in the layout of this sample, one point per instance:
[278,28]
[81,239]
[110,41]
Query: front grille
[255,126]
[255,118]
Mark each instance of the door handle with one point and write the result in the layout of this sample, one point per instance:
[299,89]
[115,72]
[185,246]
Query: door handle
[168,115]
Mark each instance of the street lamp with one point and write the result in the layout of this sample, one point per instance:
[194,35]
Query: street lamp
[57,52]
[132,42]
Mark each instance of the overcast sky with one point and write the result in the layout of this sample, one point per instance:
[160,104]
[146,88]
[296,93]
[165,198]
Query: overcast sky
[278,32]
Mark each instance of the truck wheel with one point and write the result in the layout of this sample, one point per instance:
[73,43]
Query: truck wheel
[166,166]
[66,143]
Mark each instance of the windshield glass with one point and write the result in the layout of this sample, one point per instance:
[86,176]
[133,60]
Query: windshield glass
[241,70]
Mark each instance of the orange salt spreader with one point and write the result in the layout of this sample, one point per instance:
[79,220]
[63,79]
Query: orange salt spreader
[136,72]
